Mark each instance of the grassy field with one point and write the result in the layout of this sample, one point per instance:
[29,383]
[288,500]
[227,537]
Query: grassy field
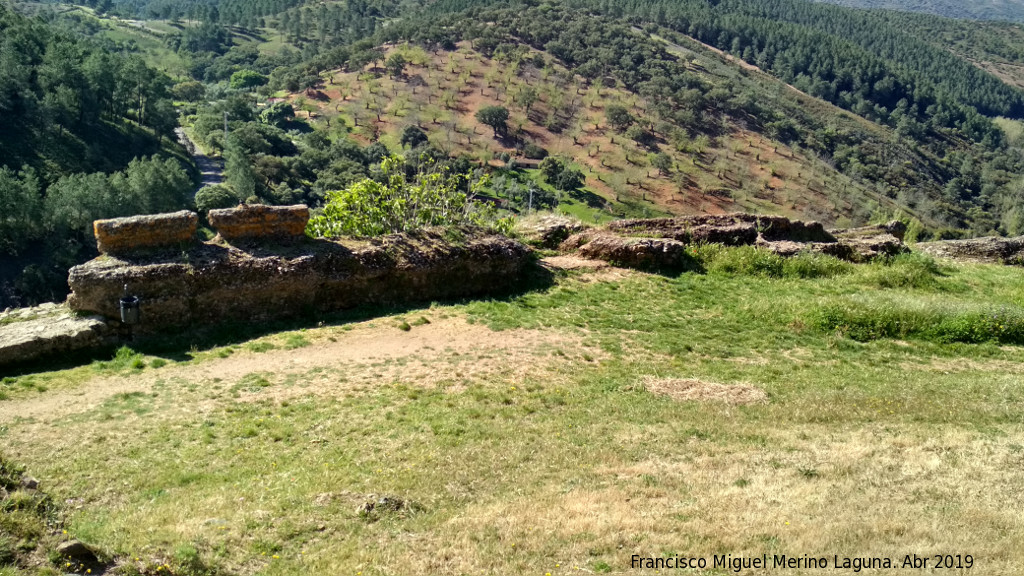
[563,430]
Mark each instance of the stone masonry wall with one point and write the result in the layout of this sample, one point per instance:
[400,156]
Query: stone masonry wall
[219,282]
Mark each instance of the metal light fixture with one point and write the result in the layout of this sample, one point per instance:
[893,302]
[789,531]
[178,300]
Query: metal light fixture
[129,308]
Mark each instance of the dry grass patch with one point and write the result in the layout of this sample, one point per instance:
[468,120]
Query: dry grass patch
[573,262]
[693,390]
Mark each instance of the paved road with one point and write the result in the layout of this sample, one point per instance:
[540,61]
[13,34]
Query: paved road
[212,170]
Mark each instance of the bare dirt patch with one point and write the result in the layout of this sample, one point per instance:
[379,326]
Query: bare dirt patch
[447,350]
[693,390]
[572,262]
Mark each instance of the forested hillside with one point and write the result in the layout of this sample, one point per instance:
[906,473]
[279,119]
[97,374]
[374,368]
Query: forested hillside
[1010,10]
[84,135]
[603,109]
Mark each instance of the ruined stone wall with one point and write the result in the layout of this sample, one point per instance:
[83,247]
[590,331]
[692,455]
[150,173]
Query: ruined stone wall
[989,249]
[729,229]
[157,233]
[660,243]
[262,268]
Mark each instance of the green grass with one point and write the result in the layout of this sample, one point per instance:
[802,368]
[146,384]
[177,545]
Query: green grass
[940,321]
[554,456]
[125,359]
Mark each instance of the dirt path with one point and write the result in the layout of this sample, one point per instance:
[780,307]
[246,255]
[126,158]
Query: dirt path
[212,171]
[370,353]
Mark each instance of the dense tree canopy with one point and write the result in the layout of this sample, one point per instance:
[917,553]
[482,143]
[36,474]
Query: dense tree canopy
[79,127]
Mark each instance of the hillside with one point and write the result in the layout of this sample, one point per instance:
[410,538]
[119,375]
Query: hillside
[1008,10]
[86,132]
[784,107]
[424,313]
[714,110]
[441,93]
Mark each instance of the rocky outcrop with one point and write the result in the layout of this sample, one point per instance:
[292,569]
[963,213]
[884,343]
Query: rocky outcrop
[124,236]
[896,229]
[990,249]
[852,244]
[217,282]
[28,334]
[259,221]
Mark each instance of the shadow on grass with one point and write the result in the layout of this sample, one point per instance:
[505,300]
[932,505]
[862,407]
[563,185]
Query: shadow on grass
[587,197]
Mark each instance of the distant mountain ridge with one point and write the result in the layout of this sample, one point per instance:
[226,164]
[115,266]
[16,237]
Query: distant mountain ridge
[1009,10]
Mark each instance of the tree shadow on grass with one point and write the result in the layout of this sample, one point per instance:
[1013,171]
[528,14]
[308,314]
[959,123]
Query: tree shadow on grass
[587,197]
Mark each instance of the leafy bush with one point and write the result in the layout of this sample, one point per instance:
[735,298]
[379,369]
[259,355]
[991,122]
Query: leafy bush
[494,116]
[641,136]
[559,174]
[864,320]
[551,168]
[214,197]
[432,198]
[278,113]
[244,79]
[569,179]
[413,136]
[618,116]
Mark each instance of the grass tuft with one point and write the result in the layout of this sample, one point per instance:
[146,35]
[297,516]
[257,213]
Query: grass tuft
[913,270]
[125,359]
[747,261]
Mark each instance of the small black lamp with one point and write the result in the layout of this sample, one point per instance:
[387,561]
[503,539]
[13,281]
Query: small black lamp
[129,308]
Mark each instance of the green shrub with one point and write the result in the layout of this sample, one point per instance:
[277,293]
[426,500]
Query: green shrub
[244,79]
[534,152]
[433,197]
[215,197]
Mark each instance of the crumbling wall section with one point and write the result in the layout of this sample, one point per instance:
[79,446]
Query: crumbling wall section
[729,229]
[659,243]
[989,249]
[218,282]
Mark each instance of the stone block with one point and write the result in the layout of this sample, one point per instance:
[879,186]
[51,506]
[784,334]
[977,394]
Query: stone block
[251,222]
[121,236]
